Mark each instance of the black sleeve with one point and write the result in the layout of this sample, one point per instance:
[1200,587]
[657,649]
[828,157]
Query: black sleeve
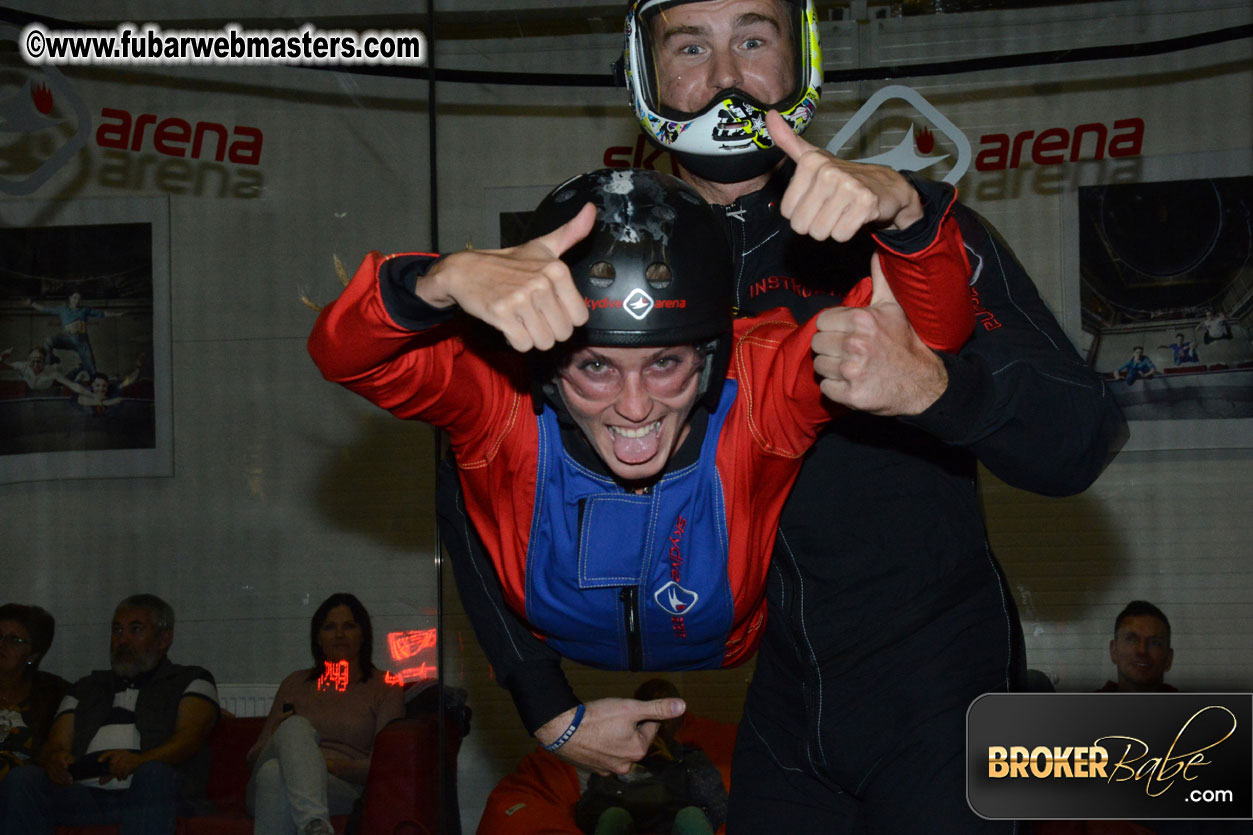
[397,277]
[524,665]
[1019,396]
[937,199]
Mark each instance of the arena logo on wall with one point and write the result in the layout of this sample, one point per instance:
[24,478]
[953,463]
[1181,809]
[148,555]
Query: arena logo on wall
[936,147]
[176,137]
[1053,146]
[205,158]
[44,123]
[45,126]
[923,151]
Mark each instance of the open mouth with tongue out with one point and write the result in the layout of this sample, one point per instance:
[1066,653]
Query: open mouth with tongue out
[635,445]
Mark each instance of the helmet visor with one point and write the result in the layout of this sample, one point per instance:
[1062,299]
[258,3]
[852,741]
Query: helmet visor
[691,62]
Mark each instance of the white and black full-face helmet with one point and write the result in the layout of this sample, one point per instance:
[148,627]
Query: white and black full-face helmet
[655,269]
[726,141]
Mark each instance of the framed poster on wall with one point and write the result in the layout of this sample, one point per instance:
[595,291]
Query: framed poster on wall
[85,382]
[1159,297]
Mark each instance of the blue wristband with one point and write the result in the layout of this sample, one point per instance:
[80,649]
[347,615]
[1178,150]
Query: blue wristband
[569,732]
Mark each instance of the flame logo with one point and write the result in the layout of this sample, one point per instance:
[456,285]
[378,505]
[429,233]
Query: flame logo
[676,605]
[912,152]
[926,141]
[42,98]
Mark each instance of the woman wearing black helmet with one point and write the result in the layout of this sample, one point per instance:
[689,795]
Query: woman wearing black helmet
[630,518]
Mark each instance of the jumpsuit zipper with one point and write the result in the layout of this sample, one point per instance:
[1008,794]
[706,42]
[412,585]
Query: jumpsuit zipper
[630,597]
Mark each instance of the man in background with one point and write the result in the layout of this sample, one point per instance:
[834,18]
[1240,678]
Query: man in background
[128,745]
[1140,650]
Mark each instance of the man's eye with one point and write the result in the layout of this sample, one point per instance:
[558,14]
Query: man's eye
[691,49]
[753,43]
[592,366]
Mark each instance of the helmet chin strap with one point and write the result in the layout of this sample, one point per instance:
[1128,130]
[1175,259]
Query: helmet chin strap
[707,350]
[730,169]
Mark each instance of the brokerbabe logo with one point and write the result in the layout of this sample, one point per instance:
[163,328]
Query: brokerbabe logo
[1110,755]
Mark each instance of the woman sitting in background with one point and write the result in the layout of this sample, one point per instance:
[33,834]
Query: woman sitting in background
[313,756]
[28,697]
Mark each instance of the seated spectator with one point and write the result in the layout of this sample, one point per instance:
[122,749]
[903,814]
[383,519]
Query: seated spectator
[128,744]
[313,756]
[676,788]
[28,696]
[1140,650]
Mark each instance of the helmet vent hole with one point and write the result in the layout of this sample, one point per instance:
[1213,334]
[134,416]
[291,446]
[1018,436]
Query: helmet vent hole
[602,274]
[658,275]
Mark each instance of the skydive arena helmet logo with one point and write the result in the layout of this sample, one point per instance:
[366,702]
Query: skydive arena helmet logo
[638,304]
[44,123]
[913,152]
[1088,756]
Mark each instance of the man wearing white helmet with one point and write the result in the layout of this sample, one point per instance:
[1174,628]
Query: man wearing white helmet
[887,614]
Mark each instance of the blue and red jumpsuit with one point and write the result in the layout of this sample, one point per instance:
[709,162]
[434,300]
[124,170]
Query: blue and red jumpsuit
[672,578]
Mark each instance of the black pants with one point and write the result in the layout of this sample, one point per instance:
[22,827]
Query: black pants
[872,741]
[922,789]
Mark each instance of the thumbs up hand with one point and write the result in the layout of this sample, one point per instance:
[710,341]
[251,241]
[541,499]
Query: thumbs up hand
[870,358]
[831,198]
[525,291]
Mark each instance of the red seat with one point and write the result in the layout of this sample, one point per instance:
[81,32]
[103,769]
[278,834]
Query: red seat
[10,389]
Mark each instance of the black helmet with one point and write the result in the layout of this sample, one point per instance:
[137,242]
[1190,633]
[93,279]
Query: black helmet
[654,270]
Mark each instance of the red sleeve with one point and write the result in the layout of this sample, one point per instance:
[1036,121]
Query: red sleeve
[932,286]
[428,375]
[773,364]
